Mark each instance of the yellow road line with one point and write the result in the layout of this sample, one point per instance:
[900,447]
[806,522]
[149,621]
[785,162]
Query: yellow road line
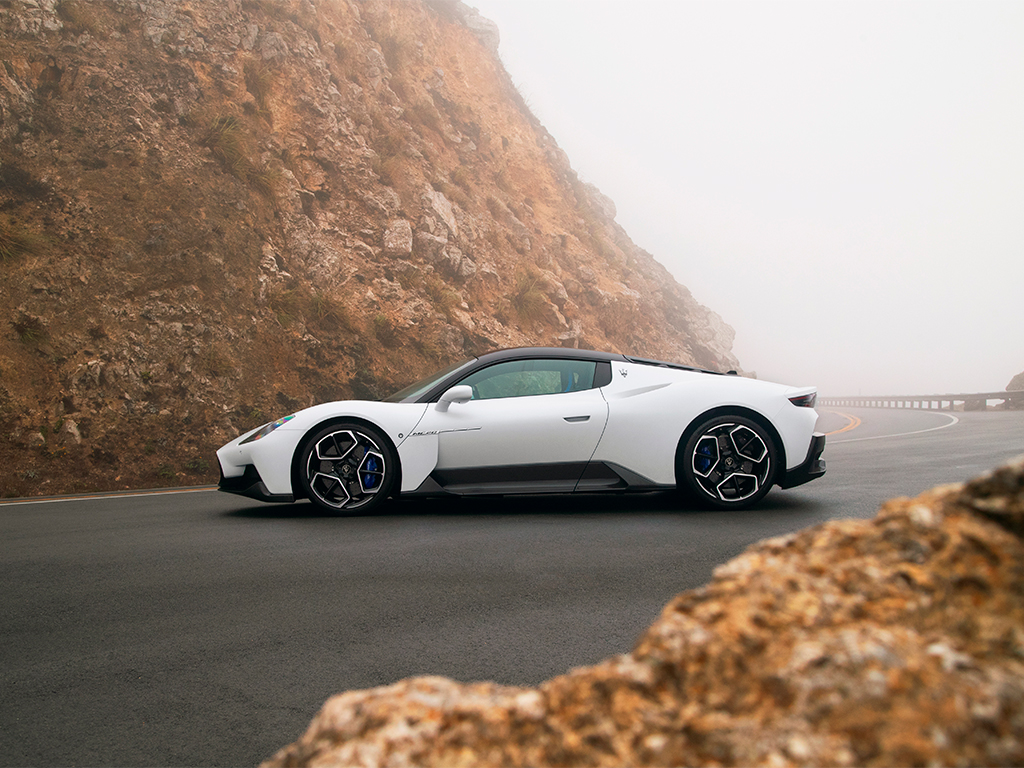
[853,424]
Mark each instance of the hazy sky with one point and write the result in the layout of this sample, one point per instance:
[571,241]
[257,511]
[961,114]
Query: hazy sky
[842,181]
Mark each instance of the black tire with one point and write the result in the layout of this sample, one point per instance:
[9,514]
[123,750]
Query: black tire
[728,462]
[347,468]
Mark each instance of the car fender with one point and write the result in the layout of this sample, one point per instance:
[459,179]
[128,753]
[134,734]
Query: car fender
[273,455]
[794,425]
[650,409]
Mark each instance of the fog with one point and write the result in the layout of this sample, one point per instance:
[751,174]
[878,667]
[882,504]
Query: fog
[842,182]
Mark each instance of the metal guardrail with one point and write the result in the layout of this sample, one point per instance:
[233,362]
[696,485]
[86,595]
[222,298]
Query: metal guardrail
[977,401]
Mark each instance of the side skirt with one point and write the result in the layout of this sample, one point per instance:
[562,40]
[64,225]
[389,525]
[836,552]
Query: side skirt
[568,477]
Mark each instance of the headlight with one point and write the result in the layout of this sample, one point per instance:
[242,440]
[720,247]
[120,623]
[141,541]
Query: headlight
[266,430]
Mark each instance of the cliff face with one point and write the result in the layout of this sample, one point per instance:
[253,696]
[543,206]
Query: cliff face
[214,212]
[893,641]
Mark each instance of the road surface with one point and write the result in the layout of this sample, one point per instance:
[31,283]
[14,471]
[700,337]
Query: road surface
[205,629]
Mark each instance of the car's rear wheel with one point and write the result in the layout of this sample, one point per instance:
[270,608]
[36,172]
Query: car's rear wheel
[346,468]
[728,462]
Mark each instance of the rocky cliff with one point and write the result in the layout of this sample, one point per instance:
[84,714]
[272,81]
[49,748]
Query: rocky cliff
[214,212]
[892,641]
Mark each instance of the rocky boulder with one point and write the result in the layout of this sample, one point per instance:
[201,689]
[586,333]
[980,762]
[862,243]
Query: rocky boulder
[398,238]
[892,641]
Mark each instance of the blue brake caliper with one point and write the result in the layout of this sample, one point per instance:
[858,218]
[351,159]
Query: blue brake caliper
[369,480]
[705,459]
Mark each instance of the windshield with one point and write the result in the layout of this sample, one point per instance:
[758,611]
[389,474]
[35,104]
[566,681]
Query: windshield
[415,390]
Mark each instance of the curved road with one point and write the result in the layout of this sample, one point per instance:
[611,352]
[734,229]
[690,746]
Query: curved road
[200,628]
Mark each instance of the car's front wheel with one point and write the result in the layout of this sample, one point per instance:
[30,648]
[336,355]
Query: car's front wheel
[728,462]
[346,468]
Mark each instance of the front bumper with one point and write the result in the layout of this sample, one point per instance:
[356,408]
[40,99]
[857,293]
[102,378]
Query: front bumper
[813,466]
[250,484]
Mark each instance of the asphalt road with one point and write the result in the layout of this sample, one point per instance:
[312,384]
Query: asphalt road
[205,629]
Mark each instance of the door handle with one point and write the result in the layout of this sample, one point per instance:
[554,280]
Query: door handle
[576,419]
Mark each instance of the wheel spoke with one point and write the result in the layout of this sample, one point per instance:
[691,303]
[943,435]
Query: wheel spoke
[339,453]
[330,489]
[748,444]
[737,487]
[371,472]
[705,457]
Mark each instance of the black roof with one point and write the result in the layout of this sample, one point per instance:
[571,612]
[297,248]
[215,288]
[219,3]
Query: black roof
[582,354]
[516,353]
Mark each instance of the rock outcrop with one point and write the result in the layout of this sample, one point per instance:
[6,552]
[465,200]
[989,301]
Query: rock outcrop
[1016,383]
[215,212]
[893,641]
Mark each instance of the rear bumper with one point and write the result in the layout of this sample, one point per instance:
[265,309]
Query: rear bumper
[813,466]
[250,484]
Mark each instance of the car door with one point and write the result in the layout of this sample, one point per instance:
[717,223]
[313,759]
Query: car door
[531,426]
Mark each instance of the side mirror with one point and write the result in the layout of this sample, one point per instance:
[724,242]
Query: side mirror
[462,393]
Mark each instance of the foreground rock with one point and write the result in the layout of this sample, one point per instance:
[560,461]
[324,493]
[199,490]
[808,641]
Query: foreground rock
[893,641]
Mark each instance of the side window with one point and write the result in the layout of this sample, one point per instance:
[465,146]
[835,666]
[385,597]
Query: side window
[521,378]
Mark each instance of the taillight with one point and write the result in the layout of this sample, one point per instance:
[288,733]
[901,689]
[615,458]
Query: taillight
[805,401]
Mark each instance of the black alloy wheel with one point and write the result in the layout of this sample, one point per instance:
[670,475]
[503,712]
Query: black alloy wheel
[729,462]
[347,468]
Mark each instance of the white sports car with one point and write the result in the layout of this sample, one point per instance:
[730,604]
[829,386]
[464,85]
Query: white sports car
[538,420]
